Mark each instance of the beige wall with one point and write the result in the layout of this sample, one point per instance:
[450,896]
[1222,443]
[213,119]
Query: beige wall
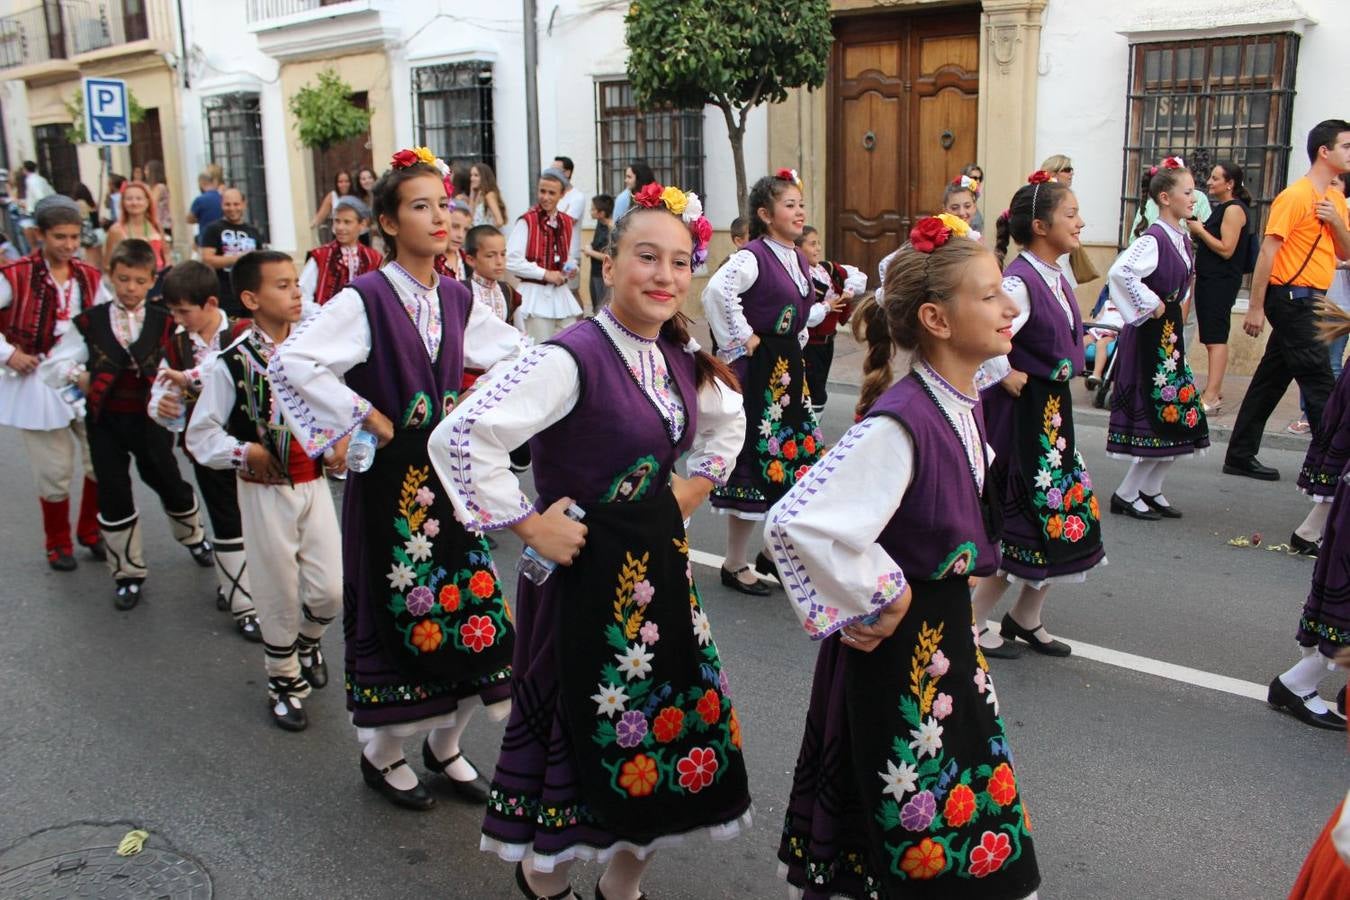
[367,72]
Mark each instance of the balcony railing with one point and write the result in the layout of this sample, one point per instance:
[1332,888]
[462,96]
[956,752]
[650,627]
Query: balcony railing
[262,10]
[60,29]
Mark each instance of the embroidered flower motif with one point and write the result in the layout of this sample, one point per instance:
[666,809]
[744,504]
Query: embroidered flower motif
[632,728]
[610,700]
[1192,416]
[774,447]
[420,600]
[784,400]
[981,680]
[1159,380]
[401,576]
[1054,457]
[1170,364]
[668,725]
[924,860]
[938,665]
[1074,529]
[478,633]
[450,597]
[482,585]
[1186,393]
[635,663]
[790,450]
[1054,498]
[765,428]
[774,412]
[649,633]
[900,780]
[1170,413]
[993,850]
[1057,420]
[697,769]
[942,706]
[775,471]
[702,627]
[638,776]
[418,548]
[643,592]
[1168,393]
[710,707]
[1054,527]
[809,445]
[918,813]
[425,496]
[927,738]
[1043,479]
[960,806]
[724,683]
[734,728]
[426,636]
[431,527]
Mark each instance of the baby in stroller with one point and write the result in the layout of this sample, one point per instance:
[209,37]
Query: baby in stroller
[1099,342]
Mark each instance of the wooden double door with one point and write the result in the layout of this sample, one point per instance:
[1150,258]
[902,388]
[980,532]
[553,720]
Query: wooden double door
[903,101]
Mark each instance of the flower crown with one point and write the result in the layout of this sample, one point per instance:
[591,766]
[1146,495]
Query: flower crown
[1040,176]
[685,205]
[968,183]
[1171,162]
[412,156]
[789,175]
[932,232]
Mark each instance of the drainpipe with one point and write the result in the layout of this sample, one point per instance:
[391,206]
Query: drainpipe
[531,28]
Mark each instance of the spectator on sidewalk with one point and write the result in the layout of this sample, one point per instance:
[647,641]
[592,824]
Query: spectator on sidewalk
[1306,232]
[574,201]
[224,241]
[205,210]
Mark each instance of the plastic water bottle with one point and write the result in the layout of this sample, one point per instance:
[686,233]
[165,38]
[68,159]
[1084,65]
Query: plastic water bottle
[72,394]
[178,424]
[361,451]
[537,568]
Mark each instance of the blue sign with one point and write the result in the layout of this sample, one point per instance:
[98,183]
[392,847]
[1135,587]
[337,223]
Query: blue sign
[107,114]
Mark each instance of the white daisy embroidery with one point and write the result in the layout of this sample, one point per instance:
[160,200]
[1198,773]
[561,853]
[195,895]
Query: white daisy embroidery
[635,662]
[900,780]
[419,548]
[927,738]
[401,576]
[610,700]
[702,628]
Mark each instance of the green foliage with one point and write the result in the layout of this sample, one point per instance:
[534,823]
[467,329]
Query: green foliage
[324,113]
[75,106]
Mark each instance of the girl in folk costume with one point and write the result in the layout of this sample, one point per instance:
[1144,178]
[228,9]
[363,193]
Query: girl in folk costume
[39,296]
[1156,414]
[622,735]
[835,285]
[329,269]
[759,307]
[1052,530]
[904,785]
[427,632]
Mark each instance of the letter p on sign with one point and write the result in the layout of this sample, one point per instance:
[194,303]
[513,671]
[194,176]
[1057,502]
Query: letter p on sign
[107,117]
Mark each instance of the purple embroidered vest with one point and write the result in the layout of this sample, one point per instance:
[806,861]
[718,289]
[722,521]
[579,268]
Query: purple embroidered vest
[398,377]
[1173,274]
[1046,341]
[773,304]
[938,531]
[613,446]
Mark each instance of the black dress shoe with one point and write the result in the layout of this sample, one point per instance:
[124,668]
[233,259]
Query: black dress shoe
[532,894]
[1303,546]
[765,566]
[288,713]
[1167,512]
[62,560]
[755,589]
[600,895]
[1009,629]
[1281,698]
[1250,468]
[128,594]
[417,798]
[474,791]
[316,673]
[249,628]
[202,554]
[98,550]
[1120,507]
[1005,650]
[222,602]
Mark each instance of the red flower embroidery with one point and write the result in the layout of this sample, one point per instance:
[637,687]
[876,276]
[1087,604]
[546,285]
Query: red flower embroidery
[1039,177]
[789,449]
[697,769]
[649,196]
[1192,416]
[450,598]
[403,158]
[710,707]
[808,445]
[735,725]
[960,806]
[1002,785]
[928,234]
[1074,529]
[1185,394]
[801,470]
[478,633]
[989,856]
[668,725]
[482,584]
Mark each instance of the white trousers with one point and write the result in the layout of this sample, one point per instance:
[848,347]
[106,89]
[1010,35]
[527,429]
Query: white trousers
[294,552]
[52,457]
[543,329]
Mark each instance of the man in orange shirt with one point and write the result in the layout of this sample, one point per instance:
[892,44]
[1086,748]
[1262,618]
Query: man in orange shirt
[1306,233]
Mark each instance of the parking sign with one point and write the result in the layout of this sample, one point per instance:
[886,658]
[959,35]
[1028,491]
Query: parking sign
[107,115]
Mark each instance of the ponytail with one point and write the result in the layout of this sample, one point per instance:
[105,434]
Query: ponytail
[1143,202]
[1233,172]
[706,366]
[1003,232]
[870,325]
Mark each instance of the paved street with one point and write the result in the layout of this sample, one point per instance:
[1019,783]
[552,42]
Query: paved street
[1138,786]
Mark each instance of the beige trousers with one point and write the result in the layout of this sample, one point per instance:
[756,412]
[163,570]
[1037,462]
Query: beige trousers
[51,454]
[542,329]
[294,552]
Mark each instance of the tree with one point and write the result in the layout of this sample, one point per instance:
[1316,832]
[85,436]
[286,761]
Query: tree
[325,114]
[732,55]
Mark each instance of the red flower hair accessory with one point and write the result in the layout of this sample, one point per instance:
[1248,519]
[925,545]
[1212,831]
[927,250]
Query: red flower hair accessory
[789,175]
[928,234]
[403,159]
[1174,162]
[649,196]
[1040,176]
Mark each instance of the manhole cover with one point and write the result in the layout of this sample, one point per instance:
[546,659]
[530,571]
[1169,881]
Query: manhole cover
[99,872]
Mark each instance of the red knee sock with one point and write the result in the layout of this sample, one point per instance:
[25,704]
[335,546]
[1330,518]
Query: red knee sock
[56,524]
[86,530]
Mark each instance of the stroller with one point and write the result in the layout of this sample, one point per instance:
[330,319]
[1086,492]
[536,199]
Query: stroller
[1112,331]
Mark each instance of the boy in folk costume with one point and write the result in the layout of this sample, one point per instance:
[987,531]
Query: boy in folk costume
[835,285]
[111,355]
[202,331]
[485,249]
[39,295]
[288,515]
[542,251]
[329,268]
[452,263]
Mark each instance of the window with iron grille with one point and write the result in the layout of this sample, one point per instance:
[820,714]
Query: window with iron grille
[55,157]
[1210,101]
[234,142]
[668,140]
[452,108]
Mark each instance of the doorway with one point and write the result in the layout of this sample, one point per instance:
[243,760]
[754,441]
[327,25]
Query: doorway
[349,156]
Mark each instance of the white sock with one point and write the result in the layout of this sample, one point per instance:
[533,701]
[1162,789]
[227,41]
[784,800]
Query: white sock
[383,750]
[1153,481]
[1027,610]
[985,597]
[444,743]
[739,532]
[1315,523]
[1303,677]
[1133,483]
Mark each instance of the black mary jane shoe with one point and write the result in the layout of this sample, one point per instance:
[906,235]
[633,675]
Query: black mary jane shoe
[532,894]
[202,554]
[222,602]
[600,895]
[128,594]
[1281,698]
[1167,512]
[473,791]
[765,566]
[1009,629]
[1303,546]
[98,550]
[756,588]
[417,798]
[62,561]
[1121,507]
[316,673]
[1005,650]
[249,629]
[288,713]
